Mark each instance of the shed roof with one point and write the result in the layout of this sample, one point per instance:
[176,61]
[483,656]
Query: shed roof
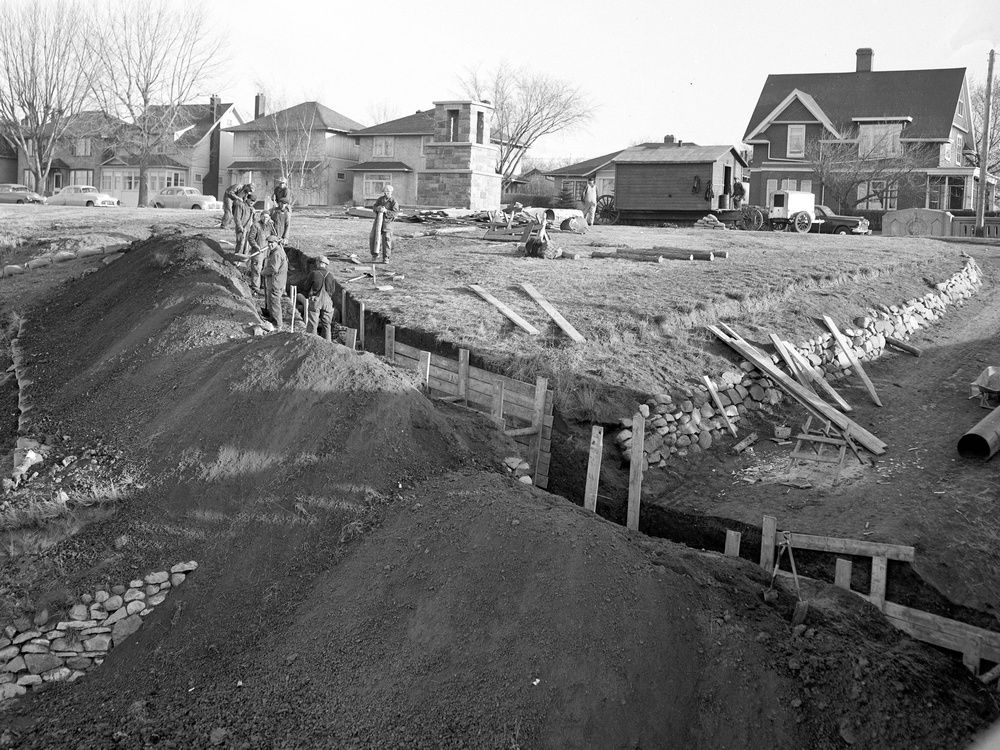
[671,153]
[315,114]
[584,168]
[930,97]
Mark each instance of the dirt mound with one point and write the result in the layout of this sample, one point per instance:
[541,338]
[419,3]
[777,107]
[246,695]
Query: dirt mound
[355,591]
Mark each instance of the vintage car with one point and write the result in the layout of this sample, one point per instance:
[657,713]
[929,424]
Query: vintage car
[82,195]
[185,197]
[13,193]
[834,224]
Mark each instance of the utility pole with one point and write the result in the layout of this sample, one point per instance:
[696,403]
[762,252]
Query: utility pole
[984,152]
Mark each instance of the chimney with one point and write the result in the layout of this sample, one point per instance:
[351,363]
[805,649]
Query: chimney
[679,143]
[865,55]
[259,106]
[210,183]
[668,139]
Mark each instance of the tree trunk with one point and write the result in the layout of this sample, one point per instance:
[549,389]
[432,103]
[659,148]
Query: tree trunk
[143,187]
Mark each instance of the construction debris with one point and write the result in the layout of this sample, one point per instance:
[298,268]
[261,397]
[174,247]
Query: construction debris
[709,222]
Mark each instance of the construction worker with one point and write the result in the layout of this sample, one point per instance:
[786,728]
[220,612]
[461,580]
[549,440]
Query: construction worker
[232,194]
[280,195]
[590,201]
[281,216]
[275,277]
[259,235]
[738,193]
[242,219]
[388,207]
[319,289]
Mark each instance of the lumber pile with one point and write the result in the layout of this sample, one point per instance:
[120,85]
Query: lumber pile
[657,254]
[711,221]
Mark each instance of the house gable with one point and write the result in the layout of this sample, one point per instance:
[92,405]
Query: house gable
[808,105]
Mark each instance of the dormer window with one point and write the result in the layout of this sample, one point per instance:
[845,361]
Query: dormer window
[796,141]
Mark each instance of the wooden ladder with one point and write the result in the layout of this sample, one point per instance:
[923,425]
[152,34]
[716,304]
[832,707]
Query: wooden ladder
[820,441]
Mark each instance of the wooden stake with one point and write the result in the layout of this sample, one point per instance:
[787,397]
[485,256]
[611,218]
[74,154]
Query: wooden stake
[295,296]
[848,351]
[390,342]
[361,324]
[782,350]
[973,654]
[768,532]
[560,321]
[463,374]
[635,471]
[305,314]
[842,574]
[879,569]
[351,338]
[594,467]
[714,393]
[496,410]
[424,368]
[733,539]
[902,346]
[377,229]
[343,307]
[510,314]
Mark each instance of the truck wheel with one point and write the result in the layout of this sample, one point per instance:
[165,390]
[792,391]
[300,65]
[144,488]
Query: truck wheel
[841,230]
[801,222]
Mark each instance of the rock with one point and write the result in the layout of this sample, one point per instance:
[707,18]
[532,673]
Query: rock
[6,654]
[41,617]
[39,663]
[101,596]
[87,599]
[512,462]
[705,440]
[94,631]
[97,612]
[133,594]
[151,589]
[218,736]
[11,689]
[124,628]
[27,680]
[136,584]
[15,665]
[79,612]
[26,636]
[644,410]
[120,614]
[687,407]
[112,603]
[57,675]
[76,624]
[157,600]
[158,577]
[35,648]
[118,589]
[100,642]
[79,662]
[176,579]
[185,567]
[525,479]
[134,607]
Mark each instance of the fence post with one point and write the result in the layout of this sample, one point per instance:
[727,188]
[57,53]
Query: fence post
[842,574]
[733,539]
[594,467]
[768,532]
[361,324]
[497,406]
[390,343]
[463,374]
[635,471]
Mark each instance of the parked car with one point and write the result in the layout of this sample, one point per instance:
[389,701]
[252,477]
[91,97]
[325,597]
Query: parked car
[13,193]
[834,224]
[185,197]
[82,195]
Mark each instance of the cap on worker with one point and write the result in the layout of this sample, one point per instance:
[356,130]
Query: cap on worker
[282,180]
[323,261]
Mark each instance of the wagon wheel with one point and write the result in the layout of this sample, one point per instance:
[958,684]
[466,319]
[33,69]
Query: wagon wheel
[801,221]
[752,218]
[606,213]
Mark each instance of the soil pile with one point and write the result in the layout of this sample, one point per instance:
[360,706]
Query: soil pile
[354,590]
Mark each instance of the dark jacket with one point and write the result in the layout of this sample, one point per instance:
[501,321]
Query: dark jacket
[282,196]
[242,215]
[391,207]
[258,235]
[318,282]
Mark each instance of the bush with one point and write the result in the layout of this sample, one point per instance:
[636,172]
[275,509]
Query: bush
[538,201]
[567,199]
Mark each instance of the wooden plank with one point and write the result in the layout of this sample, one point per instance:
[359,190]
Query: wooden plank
[809,400]
[553,313]
[487,377]
[842,574]
[424,368]
[902,346]
[594,467]
[879,570]
[635,471]
[943,631]
[537,417]
[505,310]
[782,350]
[390,342]
[343,307]
[768,531]
[511,395]
[496,410]
[733,539]
[714,393]
[817,377]
[848,351]
[351,338]
[361,324]
[444,375]
[852,547]
[463,372]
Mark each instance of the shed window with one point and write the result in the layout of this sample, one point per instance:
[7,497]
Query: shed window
[796,141]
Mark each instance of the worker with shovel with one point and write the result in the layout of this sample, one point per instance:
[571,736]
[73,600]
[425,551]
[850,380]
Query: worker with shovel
[316,294]
[380,239]
[233,194]
[275,279]
[260,235]
[242,218]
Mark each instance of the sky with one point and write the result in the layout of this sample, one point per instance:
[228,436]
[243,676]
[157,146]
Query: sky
[691,69]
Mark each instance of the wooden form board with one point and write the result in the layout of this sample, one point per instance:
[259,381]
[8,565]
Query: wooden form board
[804,396]
[594,467]
[635,471]
[714,393]
[564,324]
[809,371]
[848,351]
[505,310]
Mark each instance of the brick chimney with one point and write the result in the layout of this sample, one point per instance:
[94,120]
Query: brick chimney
[259,106]
[210,184]
[865,55]
[668,139]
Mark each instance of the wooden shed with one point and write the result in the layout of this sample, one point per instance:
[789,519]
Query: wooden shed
[675,180]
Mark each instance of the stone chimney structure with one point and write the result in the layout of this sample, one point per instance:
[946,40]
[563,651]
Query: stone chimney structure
[865,58]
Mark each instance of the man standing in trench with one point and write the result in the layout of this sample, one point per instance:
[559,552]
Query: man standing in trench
[319,290]
[385,207]
[242,218]
[259,237]
[275,279]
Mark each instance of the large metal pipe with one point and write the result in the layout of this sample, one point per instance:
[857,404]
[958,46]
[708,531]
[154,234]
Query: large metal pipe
[983,440]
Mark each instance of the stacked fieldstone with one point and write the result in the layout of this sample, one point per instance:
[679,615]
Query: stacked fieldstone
[70,250]
[518,468]
[689,422]
[34,651]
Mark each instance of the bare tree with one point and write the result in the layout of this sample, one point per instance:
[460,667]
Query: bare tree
[155,56]
[381,111]
[294,140]
[526,106]
[978,94]
[43,77]
[865,166]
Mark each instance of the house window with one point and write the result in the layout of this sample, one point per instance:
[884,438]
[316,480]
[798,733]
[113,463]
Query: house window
[575,187]
[958,149]
[341,176]
[81,177]
[606,186]
[197,179]
[382,146]
[175,179]
[796,141]
[453,125]
[788,184]
[948,153]
[480,127]
[81,147]
[806,186]
[961,107]
[880,139]
[375,183]
[772,188]
[57,180]
[877,195]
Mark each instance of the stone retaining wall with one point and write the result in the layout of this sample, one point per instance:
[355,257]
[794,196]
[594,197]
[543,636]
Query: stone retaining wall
[41,649]
[687,422]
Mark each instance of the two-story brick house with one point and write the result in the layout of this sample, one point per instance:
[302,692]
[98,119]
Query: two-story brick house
[310,145]
[438,157]
[923,115]
[77,155]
